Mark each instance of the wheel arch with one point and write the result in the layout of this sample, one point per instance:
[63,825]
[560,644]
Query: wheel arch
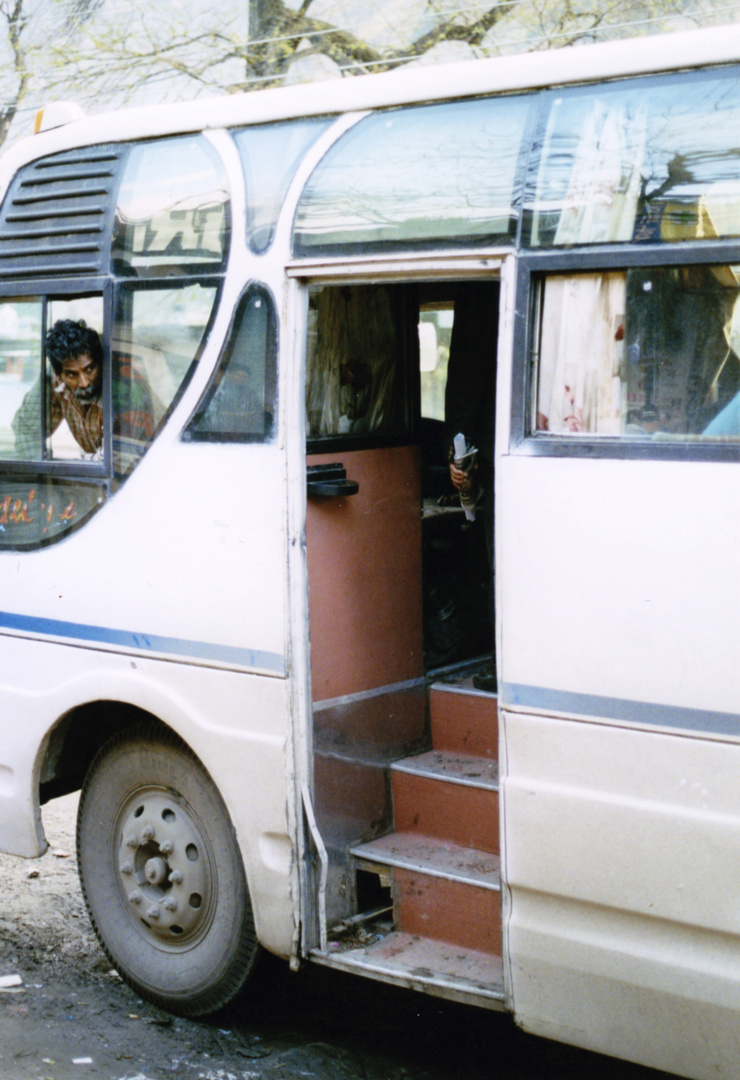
[73,742]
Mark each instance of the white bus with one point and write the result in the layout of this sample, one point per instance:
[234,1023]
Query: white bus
[242,609]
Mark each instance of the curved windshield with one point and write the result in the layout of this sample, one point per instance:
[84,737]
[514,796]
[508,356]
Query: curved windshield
[172,215]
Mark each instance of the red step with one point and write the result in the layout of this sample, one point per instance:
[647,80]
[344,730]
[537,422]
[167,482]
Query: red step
[449,796]
[466,722]
[440,890]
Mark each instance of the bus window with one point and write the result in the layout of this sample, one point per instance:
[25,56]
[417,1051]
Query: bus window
[649,353]
[160,331]
[239,404]
[419,176]
[62,443]
[172,211]
[637,161]
[157,333]
[69,426]
[20,368]
[37,508]
[357,364]
[435,330]
[270,155]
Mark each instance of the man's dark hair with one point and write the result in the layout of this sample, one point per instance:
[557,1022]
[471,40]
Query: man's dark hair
[69,339]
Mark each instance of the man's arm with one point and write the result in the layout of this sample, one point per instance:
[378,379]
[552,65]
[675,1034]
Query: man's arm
[26,423]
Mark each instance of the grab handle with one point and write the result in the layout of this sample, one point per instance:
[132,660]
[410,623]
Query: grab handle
[330,481]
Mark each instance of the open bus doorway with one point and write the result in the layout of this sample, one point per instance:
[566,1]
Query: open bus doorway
[399,578]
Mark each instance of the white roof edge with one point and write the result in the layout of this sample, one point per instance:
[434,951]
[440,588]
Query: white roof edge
[404,85]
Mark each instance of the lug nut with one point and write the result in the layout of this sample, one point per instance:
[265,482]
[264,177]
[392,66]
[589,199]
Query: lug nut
[170,904]
[132,841]
[136,896]
[147,834]
[166,847]
[127,868]
[176,877]
[152,912]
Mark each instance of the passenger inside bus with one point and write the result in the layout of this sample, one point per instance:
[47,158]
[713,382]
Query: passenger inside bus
[74,391]
[470,406]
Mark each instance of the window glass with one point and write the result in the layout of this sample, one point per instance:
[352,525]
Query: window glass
[38,510]
[270,155]
[643,354]
[21,336]
[422,176]
[649,160]
[360,343]
[435,333]
[172,211]
[157,337]
[44,421]
[239,404]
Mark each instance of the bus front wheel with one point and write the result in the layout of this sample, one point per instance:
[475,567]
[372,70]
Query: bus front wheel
[162,874]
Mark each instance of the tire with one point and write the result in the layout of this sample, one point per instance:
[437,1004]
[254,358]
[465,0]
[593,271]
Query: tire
[162,875]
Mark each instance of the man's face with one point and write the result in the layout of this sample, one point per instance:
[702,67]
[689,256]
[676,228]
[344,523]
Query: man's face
[81,374]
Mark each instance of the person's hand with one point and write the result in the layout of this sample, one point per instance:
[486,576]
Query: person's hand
[458,476]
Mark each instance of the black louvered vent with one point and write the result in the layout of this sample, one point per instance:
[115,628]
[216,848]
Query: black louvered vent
[56,215]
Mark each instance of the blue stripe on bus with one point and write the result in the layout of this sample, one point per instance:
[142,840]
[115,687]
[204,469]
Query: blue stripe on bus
[607,708]
[203,651]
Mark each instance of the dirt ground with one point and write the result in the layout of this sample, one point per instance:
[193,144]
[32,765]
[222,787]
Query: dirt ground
[71,1016]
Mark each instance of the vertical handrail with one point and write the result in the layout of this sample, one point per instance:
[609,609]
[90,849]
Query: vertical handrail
[323,861]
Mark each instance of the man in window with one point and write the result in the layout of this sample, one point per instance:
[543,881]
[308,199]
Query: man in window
[74,394]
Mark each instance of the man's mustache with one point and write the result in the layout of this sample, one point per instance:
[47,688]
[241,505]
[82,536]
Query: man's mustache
[87,394]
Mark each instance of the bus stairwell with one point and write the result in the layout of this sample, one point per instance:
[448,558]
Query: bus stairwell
[432,884]
[405,788]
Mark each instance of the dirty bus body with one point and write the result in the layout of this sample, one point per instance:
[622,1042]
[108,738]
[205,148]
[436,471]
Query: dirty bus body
[244,624]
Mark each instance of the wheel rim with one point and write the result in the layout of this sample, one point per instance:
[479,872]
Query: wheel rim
[165,868]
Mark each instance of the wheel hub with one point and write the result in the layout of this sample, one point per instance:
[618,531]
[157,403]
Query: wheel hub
[164,867]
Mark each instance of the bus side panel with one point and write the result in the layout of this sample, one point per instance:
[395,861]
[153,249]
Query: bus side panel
[235,723]
[181,576]
[621,728]
[624,930]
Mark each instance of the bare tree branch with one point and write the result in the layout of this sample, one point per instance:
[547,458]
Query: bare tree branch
[110,54]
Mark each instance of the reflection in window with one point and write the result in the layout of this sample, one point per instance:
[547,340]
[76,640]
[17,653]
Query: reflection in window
[159,332]
[172,208]
[651,353]
[239,404]
[360,339]
[270,154]
[422,175]
[21,335]
[648,159]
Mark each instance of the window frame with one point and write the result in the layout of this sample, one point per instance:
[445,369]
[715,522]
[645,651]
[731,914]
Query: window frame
[533,266]
[46,289]
[131,286]
[189,434]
